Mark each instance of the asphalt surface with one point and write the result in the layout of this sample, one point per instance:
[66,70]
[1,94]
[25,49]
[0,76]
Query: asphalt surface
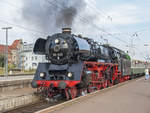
[133,97]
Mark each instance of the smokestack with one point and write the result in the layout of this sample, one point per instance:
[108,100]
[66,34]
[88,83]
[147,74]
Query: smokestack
[66,30]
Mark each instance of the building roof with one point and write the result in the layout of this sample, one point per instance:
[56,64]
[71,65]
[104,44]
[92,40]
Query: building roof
[15,44]
[10,47]
[2,49]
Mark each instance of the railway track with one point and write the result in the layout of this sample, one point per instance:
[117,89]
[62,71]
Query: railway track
[45,107]
[32,108]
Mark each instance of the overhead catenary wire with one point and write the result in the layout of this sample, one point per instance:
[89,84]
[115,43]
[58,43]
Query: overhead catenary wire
[104,14]
[10,4]
[121,33]
[13,5]
[110,34]
[83,19]
[142,30]
[22,27]
[100,11]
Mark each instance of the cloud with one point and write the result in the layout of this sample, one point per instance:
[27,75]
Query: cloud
[125,14]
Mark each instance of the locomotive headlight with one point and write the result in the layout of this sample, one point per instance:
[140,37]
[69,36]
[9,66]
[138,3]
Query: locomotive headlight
[69,75]
[42,75]
[57,41]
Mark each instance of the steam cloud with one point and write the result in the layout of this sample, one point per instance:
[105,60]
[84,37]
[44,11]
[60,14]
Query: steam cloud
[50,15]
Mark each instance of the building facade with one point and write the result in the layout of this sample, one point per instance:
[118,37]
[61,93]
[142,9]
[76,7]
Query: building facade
[29,60]
[13,52]
[21,55]
[15,48]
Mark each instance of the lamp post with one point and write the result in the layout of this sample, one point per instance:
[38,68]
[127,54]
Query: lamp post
[131,45]
[6,49]
[23,55]
[147,55]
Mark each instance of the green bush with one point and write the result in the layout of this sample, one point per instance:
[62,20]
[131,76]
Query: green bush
[2,60]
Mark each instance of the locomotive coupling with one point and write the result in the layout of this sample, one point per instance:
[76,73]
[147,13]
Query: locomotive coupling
[62,85]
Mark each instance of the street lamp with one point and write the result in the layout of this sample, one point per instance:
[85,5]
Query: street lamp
[131,44]
[6,50]
[147,55]
[22,55]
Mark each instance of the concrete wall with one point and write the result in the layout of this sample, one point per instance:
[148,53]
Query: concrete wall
[16,93]
[13,85]
[13,102]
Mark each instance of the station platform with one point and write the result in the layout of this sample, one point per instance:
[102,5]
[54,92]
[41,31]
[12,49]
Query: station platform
[16,91]
[16,98]
[133,97]
[9,85]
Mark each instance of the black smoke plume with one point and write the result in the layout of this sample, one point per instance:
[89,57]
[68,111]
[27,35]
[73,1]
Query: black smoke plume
[50,15]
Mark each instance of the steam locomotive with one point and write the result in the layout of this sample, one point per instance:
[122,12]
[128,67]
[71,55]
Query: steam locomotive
[78,65]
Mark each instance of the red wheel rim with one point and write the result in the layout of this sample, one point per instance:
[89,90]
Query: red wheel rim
[98,86]
[90,89]
[73,92]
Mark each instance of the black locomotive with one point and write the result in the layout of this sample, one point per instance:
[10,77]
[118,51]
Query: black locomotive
[77,64]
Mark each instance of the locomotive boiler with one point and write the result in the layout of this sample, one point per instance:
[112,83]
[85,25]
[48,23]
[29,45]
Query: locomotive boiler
[77,65]
[63,48]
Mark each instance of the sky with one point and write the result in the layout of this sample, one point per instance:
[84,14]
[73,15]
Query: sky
[124,23]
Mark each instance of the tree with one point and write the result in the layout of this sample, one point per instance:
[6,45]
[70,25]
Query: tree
[2,60]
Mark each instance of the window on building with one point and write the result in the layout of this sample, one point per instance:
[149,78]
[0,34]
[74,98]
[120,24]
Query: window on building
[34,64]
[35,57]
[26,58]
[32,58]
